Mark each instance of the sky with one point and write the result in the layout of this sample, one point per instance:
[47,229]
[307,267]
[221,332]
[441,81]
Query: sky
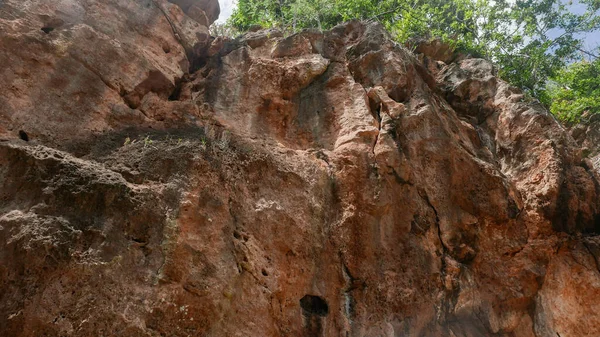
[591,40]
[226,9]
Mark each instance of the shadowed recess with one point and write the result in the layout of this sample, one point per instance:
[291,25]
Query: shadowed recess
[314,305]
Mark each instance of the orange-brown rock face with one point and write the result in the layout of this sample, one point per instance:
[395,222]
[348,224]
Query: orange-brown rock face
[587,135]
[156,182]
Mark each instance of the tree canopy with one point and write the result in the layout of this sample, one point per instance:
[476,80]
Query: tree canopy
[575,91]
[531,41]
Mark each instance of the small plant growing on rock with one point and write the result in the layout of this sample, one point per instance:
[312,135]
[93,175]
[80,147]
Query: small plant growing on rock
[223,143]
[223,29]
[147,141]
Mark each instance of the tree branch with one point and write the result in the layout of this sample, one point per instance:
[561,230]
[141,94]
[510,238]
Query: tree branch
[587,53]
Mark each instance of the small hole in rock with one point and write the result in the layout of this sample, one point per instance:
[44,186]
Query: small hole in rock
[47,30]
[23,135]
[175,94]
[166,48]
[264,272]
[314,305]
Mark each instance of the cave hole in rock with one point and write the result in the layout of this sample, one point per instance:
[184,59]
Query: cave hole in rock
[314,305]
[595,228]
[23,135]
[264,272]
[47,29]
[176,93]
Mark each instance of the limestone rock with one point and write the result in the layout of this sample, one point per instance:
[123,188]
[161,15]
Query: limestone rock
[89,63]
[321,184]
[204,12]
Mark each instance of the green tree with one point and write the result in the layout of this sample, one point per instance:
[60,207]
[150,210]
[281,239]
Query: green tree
[575,91]
[542,38]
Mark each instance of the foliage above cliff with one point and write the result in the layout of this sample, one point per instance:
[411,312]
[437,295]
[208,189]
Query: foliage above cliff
[530,40]
[575,91]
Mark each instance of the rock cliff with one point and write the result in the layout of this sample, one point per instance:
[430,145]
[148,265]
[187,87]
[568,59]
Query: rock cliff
[156,181]
[587,135]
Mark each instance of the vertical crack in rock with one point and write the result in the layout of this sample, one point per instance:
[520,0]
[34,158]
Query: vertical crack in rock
[594,257]
[424,196]
[176,92]
[350,285]
[170,233]
[173,28]
[377,115]
[449,302]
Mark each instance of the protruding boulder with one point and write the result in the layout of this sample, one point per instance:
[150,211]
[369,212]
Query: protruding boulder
[204,12]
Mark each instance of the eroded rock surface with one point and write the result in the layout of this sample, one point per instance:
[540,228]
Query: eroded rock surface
[587,135]
[75,68]
[320,184]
